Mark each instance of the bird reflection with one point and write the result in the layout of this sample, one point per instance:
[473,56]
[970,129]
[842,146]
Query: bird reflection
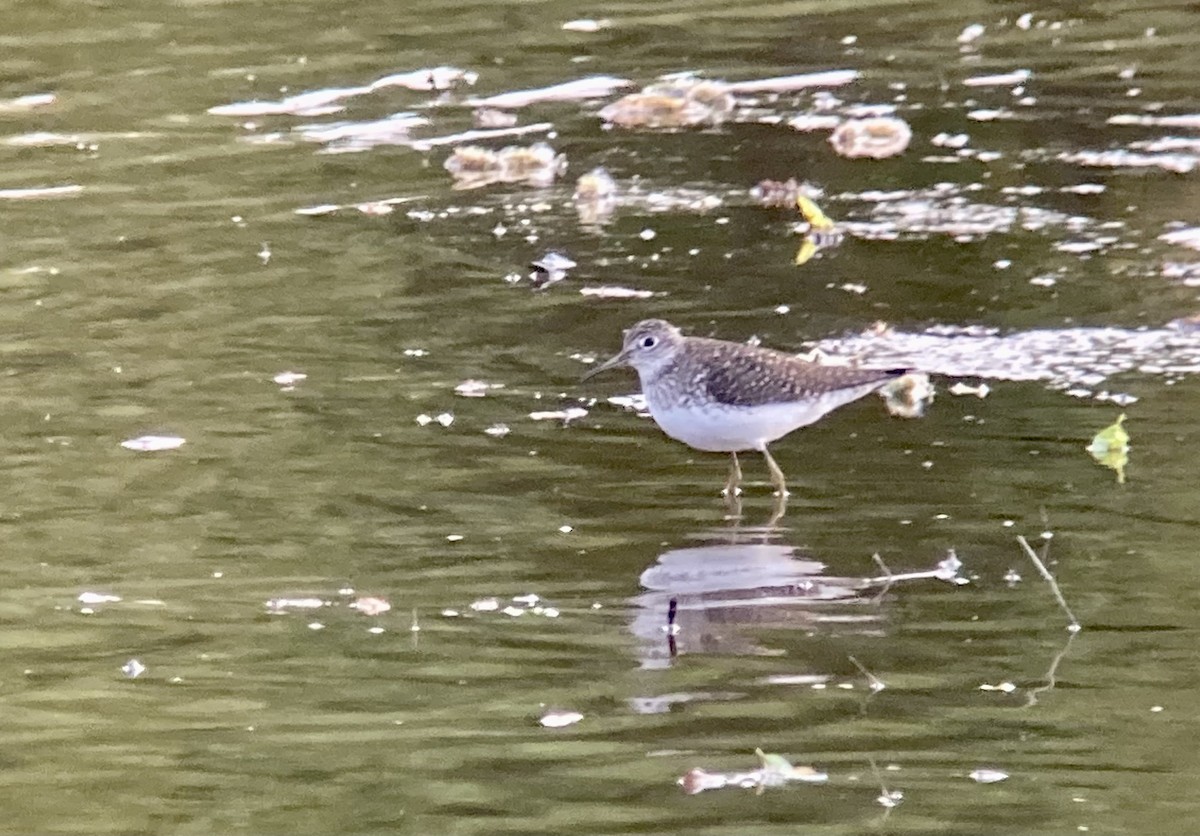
[701,599]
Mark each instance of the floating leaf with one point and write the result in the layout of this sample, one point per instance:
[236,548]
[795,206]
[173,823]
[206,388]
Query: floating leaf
[776,771]
[812,213]
[774,763]
[1110,447]
[808,248]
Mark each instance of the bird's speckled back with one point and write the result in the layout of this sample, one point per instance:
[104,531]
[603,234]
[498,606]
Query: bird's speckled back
[735,374]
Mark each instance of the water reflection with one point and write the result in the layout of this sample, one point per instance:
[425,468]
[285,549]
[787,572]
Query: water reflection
[706,598]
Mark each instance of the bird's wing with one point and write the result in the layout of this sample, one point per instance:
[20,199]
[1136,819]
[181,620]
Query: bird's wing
[764,376]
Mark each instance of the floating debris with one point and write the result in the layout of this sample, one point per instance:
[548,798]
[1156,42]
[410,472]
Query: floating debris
[592,87]
[1120,158]
[326,101]
[133,669]
[807,122]
[988,776]
[596,185]
[876,138]
[370,605]
[497,430]
[980,391]
[818,221]
[434,78]
[475,388]
[1005,687]
[615,292]
[28,102]
[537,164]
[1064,358]
[971,33]
[586,25]
[678,103]
[444,418]
[470,161]
[491,117]
[775,771]
[909,395]
[792,83]
[349,137]
[39,192]
[376,208]
[288,380]
[955,141]
[473,166]
[1073,625]
[559,719]
[1110,447]
[948,570]
[777,194]
[1189,324]
[565,415]
[998,80]
[595,196]
[154,443]
[477,135]
[1188,120]
[278,606]
[91,599]
[318,210]
[1188,237]
[550,268]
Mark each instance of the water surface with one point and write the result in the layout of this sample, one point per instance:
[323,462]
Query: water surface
[157,278]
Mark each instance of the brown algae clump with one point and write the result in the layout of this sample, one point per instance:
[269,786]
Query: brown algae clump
[876,138]
[473,166]
[679,103]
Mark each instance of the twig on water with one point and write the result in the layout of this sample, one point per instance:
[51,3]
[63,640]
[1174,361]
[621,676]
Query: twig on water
[873,682]
[1074,626]
[888,578]
[1051,677]
[887,798]
[946,570]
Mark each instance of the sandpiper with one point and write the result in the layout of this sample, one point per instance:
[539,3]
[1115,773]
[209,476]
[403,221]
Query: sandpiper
[725,397]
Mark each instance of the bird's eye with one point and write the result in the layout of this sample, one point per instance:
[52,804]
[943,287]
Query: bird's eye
[649,342]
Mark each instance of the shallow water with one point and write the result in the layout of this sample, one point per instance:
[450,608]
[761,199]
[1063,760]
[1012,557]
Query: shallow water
[159,274]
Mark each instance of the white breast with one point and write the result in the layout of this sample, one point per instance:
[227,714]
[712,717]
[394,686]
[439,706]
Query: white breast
[721,428]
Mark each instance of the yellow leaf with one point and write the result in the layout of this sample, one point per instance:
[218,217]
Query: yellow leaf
[1110,448]
[812,213]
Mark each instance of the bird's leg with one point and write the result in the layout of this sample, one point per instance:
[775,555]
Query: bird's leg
[779,510]
[733,508]
[735,478]
[776,474]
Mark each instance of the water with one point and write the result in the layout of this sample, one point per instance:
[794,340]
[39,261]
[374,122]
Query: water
[169,280]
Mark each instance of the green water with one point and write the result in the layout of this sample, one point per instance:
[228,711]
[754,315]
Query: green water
[164,294]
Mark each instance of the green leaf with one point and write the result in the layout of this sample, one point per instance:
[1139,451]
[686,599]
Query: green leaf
[1110,447]
[774,763]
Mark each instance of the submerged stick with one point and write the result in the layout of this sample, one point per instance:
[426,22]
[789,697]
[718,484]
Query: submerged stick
[1074,626]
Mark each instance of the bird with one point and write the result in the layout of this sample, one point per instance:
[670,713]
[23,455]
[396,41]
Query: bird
[727,397]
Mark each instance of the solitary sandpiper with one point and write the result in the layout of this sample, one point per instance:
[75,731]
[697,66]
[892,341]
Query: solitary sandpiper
[724,397]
